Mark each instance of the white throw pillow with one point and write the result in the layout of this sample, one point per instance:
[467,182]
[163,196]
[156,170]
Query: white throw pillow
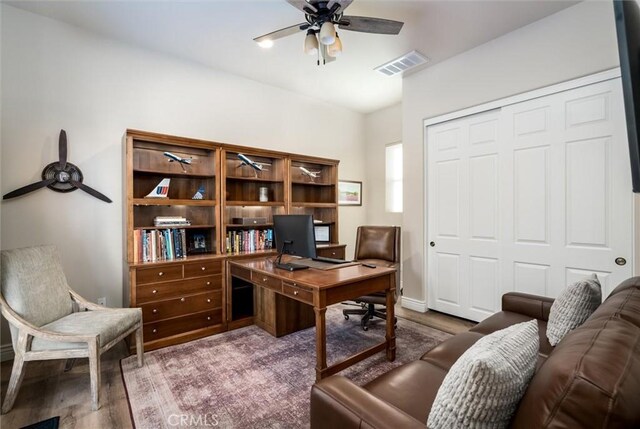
[572,307]
[485,385]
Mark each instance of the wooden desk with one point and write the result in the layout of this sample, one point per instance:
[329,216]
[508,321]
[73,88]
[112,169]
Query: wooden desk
[321,288]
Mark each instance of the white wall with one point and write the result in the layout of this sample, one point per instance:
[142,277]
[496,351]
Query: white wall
[381,128]
[56,76]
[577,41]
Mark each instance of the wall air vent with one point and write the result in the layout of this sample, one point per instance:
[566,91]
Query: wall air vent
[400,65]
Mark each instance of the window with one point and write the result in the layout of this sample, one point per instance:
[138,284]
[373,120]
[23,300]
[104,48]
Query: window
[393,173]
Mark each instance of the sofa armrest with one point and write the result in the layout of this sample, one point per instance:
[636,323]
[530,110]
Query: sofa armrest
[528,305]
[336,402]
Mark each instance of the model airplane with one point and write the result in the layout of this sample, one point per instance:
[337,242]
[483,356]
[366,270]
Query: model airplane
[59,176]
[182,161]
[199,193]
[311,174]
[161,190]
[247,161]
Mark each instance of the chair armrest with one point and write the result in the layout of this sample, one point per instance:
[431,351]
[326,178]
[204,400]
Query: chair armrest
[83,303]
[528,305]
[336,402]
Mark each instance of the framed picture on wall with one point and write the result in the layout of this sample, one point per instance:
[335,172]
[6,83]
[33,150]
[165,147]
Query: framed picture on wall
[349,193]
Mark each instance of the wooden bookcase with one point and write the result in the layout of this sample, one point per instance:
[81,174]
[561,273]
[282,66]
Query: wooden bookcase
[190,297]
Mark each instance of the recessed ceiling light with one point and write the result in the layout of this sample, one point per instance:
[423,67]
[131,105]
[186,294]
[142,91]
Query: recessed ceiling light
[266,43]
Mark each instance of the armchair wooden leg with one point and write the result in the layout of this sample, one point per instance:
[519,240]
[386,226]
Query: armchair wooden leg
[17,373]
[140,346]
[94,373]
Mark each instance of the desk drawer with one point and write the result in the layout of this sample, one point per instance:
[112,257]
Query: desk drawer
[202,268]
[181,306]
[160,291]
[267,281]
[337,252]
[166,328]
[297,292]
[158,274]
[241,273]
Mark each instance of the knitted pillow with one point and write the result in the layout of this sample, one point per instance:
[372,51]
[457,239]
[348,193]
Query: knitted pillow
[484,386]
[572,307]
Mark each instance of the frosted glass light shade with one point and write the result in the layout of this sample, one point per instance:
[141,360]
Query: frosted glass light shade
[335,49]
[327,33]
[310,44]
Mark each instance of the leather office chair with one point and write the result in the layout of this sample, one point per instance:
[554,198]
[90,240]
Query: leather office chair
[378,245]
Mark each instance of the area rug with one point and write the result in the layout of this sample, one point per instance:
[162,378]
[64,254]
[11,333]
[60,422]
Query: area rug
[248,379]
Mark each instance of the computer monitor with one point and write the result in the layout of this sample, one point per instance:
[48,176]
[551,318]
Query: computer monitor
[294,235]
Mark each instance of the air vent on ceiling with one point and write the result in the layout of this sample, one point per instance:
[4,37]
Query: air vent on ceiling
[400,65]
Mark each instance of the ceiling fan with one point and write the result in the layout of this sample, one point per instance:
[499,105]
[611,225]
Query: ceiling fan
[59,176]
[322,17]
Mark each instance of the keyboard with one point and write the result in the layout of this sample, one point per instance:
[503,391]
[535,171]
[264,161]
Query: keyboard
[330,260]
[291,267]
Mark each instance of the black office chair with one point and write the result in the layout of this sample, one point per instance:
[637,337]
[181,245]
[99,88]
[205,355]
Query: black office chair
[378,245]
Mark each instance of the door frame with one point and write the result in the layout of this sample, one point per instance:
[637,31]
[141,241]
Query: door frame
[591,79]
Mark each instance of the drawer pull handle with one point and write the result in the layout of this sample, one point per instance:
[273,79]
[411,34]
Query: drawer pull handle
[181,299]
[333,253]
[208,317]
[203,268]
[295,292]
[155,310]
[208,299]
[161,273]
[208,283]
[264,279]
[154,291]
[154,331]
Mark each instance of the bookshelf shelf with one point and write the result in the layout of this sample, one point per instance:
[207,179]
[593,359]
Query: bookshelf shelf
[180,173]
[172,202]
[176,227]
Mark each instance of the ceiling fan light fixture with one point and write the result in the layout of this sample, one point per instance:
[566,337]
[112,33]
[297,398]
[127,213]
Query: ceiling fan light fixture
[311,43]
[336,48]
[327,33]
[266,44]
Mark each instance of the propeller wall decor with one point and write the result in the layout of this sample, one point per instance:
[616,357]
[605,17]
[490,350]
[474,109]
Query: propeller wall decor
[59,176]
[322,17]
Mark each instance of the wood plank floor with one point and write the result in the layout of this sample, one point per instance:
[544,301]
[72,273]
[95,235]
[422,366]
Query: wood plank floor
[47,391]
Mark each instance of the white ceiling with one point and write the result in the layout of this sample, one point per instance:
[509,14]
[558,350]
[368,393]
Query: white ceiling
[219,34]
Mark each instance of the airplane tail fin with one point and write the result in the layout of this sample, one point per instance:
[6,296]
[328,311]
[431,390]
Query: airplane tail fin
[161,190]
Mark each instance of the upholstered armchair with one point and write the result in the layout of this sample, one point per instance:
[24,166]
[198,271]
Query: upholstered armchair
[377,245]
[48,320]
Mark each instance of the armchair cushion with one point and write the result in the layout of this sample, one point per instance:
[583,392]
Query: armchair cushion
[109,324]
[34,285]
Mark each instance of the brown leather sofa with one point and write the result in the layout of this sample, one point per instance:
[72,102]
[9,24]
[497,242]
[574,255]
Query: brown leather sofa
[591,379]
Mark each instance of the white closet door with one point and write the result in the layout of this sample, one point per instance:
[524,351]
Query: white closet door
[528,198]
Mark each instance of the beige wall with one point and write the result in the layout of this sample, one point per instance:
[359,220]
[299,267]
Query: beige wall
[577,41]
[56,76]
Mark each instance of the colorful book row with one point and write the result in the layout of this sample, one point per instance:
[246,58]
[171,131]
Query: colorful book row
[159,244]
[249,240]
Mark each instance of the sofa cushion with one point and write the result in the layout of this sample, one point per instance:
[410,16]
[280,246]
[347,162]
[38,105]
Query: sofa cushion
[503,319]
[484,386]
[590,380]
[411,387]
[445,354]
[572,307]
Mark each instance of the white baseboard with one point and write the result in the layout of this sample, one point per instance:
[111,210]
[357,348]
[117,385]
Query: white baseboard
[6,352]
[414,304]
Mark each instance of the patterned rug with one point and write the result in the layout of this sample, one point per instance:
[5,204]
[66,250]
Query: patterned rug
[248,379]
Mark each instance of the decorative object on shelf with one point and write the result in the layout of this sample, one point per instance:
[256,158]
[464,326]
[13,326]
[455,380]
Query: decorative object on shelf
[170,221]
[161,190]
[263,195]
[349,193]
[197,244]
[312,175]
[199,193]
[182,161]
[322,233]
[322,16]
[249,220]
[245,160]
[59,176]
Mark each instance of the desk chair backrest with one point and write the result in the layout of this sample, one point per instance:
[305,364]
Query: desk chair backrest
[34,285]
[378,242]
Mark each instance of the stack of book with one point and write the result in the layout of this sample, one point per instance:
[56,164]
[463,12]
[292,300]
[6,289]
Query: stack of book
[170,221]
[249,240]
[150,245]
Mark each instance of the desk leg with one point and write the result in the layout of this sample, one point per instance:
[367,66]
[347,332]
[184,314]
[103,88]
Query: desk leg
[321,342]
[391,331]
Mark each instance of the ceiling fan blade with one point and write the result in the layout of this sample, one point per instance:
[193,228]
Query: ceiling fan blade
[366,24]
[283,32]
[303,6]
[343,4]
[29,188]
[90,191]
[62,149]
